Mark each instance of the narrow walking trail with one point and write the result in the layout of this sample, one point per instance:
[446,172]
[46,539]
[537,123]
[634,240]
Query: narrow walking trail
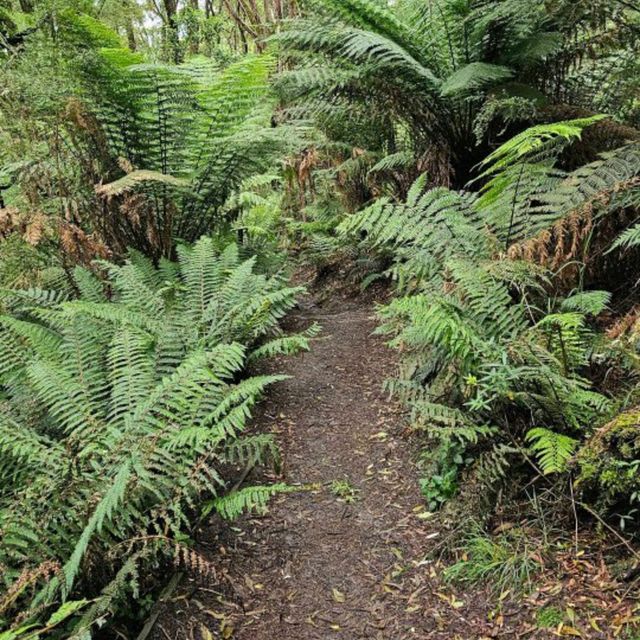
[344,560]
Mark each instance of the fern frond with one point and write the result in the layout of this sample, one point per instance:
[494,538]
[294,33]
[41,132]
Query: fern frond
[287,345]
[111,499]
[587,302]
[628,238]
[251,450]
[473,76]
[249,499]
[534,140]
[553,450]
[137,178]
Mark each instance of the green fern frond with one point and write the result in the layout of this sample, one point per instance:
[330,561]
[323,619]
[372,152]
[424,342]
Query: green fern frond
[628,238]
[248,499]
[108,505]
[553,450]
[251,450]
[534,140]
[473,76]
[287,345]
[587,302]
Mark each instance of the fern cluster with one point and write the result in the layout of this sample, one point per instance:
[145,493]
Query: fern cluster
[189,139]
[494,362]
[123,397]
[143,153]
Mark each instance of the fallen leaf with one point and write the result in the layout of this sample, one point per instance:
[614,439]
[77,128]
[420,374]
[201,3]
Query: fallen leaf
[215,614]
[338,596]
[566,630]
[205,633]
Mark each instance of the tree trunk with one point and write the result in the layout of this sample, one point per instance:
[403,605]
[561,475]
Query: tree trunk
[131,34]
[269,16]
[172,38]
[243,28]
[194,28]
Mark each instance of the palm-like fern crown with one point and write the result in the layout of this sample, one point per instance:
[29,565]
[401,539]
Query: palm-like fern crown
[119,406]
[187,137]
[427,68]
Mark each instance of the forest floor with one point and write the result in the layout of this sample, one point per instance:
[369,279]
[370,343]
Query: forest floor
[350,557]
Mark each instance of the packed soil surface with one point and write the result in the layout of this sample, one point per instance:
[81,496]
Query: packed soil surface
[347,556]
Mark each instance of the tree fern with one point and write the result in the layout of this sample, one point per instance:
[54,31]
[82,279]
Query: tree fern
[429,71]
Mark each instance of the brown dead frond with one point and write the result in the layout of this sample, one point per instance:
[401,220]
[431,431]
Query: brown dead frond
[27,579]
[80,247]
[630,322]
[33,227]
[436,163]
[565,241]
[194,562]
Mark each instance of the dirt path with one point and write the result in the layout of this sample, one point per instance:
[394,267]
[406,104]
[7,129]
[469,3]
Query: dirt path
[344,561]
[331,555]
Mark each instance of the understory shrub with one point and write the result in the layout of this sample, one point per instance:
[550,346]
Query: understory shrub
[124,396]
[499,349]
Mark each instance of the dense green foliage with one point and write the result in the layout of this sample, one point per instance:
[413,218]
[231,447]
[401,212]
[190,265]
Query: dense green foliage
[482,157]
[120,405]
[154,152]
[497,360]
[429,85]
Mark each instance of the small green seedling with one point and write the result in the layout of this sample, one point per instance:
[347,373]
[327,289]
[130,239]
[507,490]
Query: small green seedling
[344,491]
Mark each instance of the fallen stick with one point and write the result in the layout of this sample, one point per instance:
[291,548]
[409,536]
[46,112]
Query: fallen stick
[153,617]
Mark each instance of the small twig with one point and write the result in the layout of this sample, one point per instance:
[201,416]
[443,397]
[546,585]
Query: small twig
[243,476]
[623,540]
[575,514]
